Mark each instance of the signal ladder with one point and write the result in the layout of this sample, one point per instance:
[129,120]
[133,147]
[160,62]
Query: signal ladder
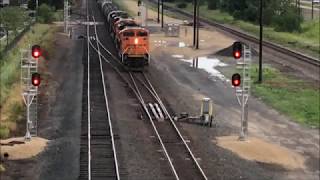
[243,92]
[29,92]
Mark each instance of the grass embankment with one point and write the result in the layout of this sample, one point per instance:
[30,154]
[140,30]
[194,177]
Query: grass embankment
[11,102]
[295,98]
[307,41]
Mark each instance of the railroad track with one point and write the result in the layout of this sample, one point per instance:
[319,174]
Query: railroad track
[98,155]
[276,47]
[181,159]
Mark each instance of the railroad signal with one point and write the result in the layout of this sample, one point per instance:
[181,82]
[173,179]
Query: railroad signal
[36,51]
[35,79]
[237,50]
[236,80]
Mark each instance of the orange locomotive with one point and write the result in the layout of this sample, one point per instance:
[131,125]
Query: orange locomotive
[134,46]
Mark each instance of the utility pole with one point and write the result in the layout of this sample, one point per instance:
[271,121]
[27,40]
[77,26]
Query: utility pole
[194,22]
[260,42]
[312,9]
[7,36]
[162,13]
[299,7]
[37,9]
[198,24]
[158,19]
[66,16]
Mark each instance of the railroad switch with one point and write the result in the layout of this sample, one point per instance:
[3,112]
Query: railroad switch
[206,114]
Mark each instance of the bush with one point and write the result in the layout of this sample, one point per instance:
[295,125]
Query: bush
[4,132]
[45,13]
[213,4]
[181,5]
[289,21]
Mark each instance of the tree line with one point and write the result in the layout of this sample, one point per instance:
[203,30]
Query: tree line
[56,4]
[283,15]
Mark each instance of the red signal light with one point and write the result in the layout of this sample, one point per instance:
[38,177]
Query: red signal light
[36,51]
[36,80]
[237,50]
[237,55]
[236,80]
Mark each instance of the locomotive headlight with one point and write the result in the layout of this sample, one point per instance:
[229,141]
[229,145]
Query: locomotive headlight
[136,41]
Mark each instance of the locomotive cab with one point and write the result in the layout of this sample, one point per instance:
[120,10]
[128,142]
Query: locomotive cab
[121,25]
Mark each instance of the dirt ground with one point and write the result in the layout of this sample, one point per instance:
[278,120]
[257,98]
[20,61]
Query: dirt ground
[21,149]
[255,149]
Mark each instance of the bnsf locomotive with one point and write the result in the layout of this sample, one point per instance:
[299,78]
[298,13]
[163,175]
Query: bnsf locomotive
[131,40]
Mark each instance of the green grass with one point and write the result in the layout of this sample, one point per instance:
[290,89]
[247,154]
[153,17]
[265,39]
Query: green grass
[295,98]
[307,41]
[4,132]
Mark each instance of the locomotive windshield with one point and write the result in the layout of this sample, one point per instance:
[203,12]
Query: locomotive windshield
[128,34]
[142,33]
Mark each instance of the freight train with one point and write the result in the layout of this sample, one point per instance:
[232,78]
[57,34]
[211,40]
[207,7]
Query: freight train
[130,39]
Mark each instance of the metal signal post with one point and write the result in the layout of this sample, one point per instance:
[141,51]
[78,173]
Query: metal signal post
[195,2]
[260,41]
[197,24]
[162,23]
[243,91]
[29,67]
[158,19]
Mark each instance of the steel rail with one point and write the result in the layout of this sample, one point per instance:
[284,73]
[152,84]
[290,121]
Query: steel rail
[174,125]
[107,106]
[155,130]
[88,97]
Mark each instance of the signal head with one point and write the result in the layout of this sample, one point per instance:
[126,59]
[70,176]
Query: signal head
[237,50]
[36,80]
[36,51]
[236,80]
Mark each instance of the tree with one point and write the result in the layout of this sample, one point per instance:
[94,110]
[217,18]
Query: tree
[288,20]
[213,4]
[32,4]
[13,18]
[45,13]
[57,4]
